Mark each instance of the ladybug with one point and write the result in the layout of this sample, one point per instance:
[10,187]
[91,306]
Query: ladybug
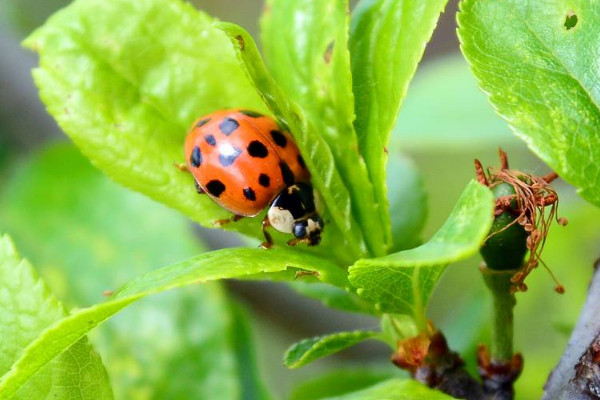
[245,161]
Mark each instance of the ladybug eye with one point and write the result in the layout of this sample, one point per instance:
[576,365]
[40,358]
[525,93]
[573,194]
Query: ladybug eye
[300,229]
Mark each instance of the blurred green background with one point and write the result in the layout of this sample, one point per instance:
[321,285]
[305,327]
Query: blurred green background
[86,235]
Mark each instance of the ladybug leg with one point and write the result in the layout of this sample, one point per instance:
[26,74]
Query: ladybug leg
[221,222]
[182,167]
[199,188]
[269,239]
[295,241]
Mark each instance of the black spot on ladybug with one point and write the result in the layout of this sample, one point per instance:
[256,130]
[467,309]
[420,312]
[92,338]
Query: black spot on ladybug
[279,138]
[251,114]
[215,187]
[249,194]
[264,180]
[257,149]
[286,173]
[228,155]
[228,126]
[210,139]
[202,122]
[196,157]
[301,161]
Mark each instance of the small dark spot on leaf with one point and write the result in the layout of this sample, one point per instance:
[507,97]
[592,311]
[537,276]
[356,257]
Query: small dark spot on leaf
[570,20]
[328,52]
[241,42]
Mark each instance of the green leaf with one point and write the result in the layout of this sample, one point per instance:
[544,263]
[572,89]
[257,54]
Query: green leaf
[325,177]
[306,47]
[408,201]
[83,253]
[396,327]
[446,88]
[536,72]
[309,350]
[387,40]
[340,382]
[241,337]
[27,308]
[403,282]
[72,219]
[216,265]
[219,363]
[395,389]
[334,297]
[126,79]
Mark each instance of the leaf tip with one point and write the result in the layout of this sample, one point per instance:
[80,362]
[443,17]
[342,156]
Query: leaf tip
[31,43]
[7,246]
[235,33]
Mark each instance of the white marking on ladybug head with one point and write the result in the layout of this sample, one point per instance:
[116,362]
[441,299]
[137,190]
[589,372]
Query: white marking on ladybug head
[313,226]
[281,219]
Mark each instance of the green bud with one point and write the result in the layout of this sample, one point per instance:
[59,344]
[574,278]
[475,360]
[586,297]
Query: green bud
[506,249]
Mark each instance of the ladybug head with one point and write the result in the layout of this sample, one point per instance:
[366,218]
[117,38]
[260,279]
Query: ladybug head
[309,229]
[294,211]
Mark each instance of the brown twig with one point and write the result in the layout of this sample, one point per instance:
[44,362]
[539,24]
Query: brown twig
[498,377]
[431,362]
[577,375]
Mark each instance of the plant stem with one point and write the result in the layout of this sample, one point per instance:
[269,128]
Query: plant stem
[499,283]
[499,368]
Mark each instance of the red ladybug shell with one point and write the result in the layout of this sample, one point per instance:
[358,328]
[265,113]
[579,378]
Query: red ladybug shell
[243,159]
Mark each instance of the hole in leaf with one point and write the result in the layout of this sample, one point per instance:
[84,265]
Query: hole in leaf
[570,20]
